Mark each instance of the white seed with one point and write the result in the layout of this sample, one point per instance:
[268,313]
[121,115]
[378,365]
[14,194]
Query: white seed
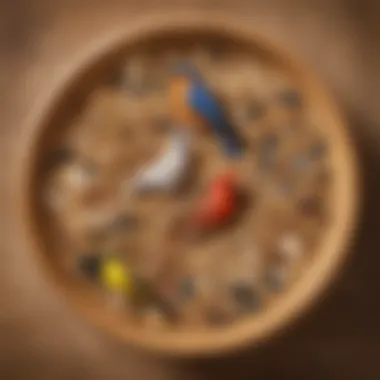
[290,246]
[76,177]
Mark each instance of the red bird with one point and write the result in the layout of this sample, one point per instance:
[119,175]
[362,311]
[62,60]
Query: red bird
[219,204]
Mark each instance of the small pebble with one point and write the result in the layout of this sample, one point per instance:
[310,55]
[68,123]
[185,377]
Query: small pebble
[77,176]
[89,264]
[116,276]
[290,246]
[290,99]
[246,297]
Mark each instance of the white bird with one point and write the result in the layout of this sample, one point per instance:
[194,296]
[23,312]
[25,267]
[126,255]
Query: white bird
[166,173]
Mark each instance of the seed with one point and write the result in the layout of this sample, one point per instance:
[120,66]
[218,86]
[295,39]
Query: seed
[89,265]
[290,246]
[77,176]
[246,297]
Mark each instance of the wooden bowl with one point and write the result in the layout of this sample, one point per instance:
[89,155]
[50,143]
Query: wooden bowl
[53,114]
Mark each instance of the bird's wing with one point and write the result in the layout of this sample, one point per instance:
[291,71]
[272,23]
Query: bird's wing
[207,106]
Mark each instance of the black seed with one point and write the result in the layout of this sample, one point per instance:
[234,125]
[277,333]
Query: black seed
[89,265]
[290,99]
[246,297]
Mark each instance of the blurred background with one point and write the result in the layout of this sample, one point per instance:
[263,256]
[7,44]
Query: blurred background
[340,338]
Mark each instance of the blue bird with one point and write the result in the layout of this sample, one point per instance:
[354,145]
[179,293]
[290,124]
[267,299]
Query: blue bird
[194,105]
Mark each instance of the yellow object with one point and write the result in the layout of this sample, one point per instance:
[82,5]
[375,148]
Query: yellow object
[116,276]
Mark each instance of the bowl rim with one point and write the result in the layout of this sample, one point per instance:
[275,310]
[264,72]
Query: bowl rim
[298,302]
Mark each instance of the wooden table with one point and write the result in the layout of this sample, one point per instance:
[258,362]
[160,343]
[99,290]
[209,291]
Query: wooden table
[40,338]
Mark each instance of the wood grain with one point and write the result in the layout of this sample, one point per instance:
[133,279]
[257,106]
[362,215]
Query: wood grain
[40,338]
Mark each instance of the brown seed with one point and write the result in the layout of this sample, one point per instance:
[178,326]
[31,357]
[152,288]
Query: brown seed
[246,297]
